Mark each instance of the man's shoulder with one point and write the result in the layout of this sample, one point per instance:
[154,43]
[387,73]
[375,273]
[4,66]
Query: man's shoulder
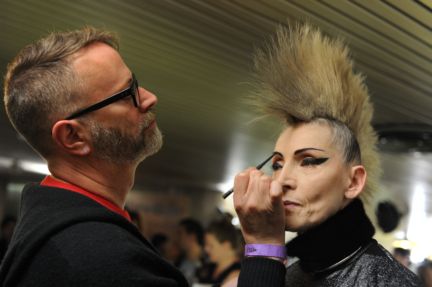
[49,212]
[92,252]
[100,236]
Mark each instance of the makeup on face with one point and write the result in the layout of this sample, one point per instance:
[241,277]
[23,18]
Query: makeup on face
[310,168]
[305,160]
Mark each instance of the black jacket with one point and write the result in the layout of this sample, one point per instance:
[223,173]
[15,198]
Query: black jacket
[65,239]
[339,252]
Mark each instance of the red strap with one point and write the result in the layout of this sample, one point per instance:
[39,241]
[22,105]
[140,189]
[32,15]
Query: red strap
[51,181]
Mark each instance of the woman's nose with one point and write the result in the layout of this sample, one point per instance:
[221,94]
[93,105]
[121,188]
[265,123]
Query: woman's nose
[147,100]
[287,179]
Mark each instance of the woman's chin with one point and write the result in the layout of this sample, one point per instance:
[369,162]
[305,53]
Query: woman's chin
[297,225]
[292,226]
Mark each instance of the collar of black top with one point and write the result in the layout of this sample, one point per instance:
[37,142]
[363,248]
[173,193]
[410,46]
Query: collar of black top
[335,239]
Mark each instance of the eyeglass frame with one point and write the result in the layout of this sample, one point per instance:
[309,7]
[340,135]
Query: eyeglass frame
[131,91]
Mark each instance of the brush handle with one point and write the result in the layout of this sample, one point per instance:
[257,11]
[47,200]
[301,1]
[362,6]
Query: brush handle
[226,194]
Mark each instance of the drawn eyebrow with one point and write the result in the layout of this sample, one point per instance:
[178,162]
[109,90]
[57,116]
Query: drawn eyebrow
[298,151]
[306,149]
[278,153]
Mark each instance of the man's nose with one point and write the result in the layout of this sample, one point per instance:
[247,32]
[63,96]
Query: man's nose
[147,99]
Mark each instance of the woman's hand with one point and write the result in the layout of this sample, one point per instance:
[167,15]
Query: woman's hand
[259,206]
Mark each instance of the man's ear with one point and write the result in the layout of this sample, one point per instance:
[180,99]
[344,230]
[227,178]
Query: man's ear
[70,136]
[357,181]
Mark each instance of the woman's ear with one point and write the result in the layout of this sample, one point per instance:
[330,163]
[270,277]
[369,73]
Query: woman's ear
[357,181]
[70,136]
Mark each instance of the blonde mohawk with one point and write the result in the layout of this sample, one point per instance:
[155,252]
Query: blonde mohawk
[303,75]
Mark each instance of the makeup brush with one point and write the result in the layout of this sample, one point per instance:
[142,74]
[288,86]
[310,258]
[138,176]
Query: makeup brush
[226,194]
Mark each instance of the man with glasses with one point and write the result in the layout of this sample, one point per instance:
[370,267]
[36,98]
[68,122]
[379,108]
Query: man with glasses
[71,96]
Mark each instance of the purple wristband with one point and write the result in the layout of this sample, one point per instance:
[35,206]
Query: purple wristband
[265,250]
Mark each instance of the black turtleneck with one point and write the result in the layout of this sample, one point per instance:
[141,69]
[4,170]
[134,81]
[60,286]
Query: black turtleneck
[338,252]
[334,239]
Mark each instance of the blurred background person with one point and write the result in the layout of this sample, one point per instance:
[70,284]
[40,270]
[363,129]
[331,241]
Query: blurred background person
[166,247]
[191,242]
[222,244]
[402,255]
[160,242]
[7,229]
[425,273]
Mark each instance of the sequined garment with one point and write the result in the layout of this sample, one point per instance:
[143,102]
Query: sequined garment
[341,252]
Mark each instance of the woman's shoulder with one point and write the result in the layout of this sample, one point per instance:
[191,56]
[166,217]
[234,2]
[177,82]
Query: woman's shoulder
[295,276]
[376,267]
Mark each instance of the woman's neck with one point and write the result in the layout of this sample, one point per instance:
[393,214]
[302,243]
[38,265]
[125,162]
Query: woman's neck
[334,239]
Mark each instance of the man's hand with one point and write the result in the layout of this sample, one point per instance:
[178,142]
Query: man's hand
[258,203]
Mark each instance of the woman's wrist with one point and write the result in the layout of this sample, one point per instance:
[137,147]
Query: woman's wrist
[272,251]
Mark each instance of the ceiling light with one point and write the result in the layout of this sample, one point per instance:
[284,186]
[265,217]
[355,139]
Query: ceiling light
[34,167]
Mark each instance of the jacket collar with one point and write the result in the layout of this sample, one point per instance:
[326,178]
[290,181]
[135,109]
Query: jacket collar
[334,241]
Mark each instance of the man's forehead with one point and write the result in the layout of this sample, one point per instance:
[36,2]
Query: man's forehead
[98,54]
[101,68]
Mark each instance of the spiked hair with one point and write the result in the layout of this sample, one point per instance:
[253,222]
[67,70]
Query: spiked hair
[303,75]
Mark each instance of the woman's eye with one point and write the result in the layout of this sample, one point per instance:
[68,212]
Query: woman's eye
[276,166]
[308,161]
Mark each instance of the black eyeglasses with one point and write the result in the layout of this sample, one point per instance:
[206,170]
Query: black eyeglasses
[131,91]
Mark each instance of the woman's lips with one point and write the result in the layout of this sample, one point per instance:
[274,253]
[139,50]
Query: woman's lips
[288,204]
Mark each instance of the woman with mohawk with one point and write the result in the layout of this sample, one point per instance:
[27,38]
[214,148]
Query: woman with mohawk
[324,161]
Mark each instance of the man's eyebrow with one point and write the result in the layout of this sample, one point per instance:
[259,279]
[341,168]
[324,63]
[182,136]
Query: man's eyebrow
[127,83]
[130,79]
[306,149]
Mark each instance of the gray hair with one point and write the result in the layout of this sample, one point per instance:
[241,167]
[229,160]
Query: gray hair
[41,86]
[344,138]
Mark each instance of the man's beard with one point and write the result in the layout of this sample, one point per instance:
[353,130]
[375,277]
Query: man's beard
[113,145]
